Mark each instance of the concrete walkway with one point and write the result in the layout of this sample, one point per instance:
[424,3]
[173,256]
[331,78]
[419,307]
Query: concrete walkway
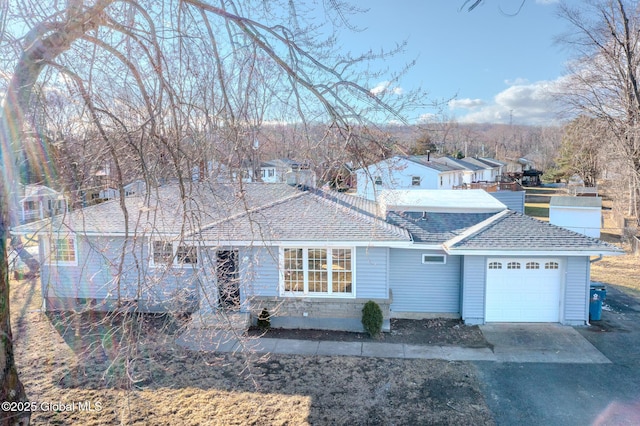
[511,343]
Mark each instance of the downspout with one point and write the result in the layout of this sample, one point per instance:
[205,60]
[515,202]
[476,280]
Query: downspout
[597,259]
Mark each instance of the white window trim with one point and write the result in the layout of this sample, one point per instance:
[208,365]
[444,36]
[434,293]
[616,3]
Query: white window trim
[174,257]
[305,264]
[52,255]
[431,262]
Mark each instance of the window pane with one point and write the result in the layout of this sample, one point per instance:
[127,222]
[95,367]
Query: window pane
[293,270]
[318,278]
[162,252]
[341,271]
[187,254]
[64,250]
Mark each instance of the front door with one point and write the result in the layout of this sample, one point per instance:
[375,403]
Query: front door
[228,279]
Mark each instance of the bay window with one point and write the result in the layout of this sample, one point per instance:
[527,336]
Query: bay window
[317,271]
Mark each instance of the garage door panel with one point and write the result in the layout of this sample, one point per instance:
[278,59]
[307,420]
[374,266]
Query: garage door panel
[522,295]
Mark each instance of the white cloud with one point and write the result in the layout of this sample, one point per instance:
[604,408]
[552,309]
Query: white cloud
[428,118]
[385,87]
[523,103]
[517,81]
[466,103]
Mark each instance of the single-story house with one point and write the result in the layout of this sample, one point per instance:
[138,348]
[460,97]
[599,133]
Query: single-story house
[406,172]
[314,258]
[492,169]
[471,172]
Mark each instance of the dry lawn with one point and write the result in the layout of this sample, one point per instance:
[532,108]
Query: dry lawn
[621,271]
[83,361]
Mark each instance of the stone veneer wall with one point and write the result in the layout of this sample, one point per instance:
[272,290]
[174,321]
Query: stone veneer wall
[317,313]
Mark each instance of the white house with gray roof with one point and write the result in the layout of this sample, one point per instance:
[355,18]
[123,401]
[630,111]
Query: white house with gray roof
[313,258]
[406,172]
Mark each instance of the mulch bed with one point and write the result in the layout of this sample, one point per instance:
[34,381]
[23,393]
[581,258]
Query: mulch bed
[436,331]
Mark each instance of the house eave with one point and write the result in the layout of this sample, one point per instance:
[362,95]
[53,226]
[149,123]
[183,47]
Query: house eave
[523,252]
[301,243]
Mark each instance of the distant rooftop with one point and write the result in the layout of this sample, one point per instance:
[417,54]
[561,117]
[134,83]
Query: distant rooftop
[567,201]
[440,200]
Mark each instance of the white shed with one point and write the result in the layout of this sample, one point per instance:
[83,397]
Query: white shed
[579,214]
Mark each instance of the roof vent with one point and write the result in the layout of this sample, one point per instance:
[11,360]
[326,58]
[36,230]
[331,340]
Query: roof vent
[424,216]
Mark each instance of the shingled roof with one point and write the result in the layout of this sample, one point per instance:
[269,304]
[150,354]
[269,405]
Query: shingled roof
[435,228]
[510,230]
[305,217]
[221,212]
[258,212]
[165,211]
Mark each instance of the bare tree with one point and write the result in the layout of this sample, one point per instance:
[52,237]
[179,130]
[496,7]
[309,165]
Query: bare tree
[581,151]
[149,84]
[604,79]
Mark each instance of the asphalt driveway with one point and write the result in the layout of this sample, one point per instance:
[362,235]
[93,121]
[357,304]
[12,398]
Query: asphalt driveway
[571,391]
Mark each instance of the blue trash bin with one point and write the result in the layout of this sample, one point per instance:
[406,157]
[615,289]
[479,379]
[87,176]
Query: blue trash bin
[598,294]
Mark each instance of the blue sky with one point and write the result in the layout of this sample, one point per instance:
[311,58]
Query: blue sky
[497,66]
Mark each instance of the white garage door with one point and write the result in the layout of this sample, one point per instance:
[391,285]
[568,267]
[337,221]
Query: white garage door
[523,290]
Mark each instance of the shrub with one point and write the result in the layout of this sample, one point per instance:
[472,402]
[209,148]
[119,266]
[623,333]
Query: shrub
[264,320]
[372,318]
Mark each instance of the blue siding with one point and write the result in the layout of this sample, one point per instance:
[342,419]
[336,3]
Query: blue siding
[371,273]
[576,293]
[418,287]
[97,275]
[259,271]
[473,289]
[514,200]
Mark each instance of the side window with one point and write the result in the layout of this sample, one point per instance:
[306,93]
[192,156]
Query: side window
[162,252]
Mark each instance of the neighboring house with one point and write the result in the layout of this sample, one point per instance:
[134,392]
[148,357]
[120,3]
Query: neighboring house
[491,169]
[40,202]
[470,172]
[418,172]
[135,187]
[406,172]
[280,170]
[313,258]
[579,214]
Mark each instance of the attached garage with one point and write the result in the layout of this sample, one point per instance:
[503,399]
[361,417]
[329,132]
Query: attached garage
[523,290]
